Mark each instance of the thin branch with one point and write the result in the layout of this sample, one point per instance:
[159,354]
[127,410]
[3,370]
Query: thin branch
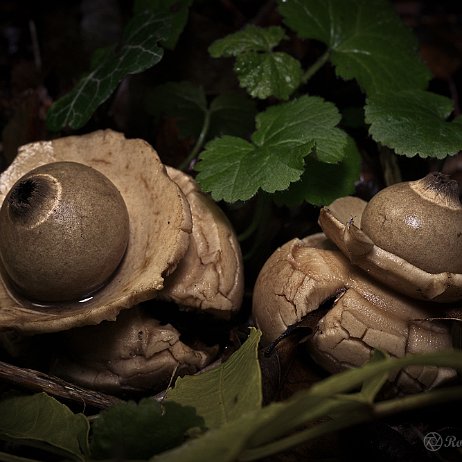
[199,143]
[316,66]
[39,381]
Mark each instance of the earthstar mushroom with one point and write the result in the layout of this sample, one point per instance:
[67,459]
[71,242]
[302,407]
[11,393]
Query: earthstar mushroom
[409,236]
[172,243]
[134,354]
[137,352]
[303,274]
[159,229]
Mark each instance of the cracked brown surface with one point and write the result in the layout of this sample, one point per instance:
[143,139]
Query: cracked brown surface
[134,353]
[299,277]
[210,276]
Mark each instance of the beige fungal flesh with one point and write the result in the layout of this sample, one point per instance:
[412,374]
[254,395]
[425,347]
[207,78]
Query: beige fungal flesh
[408,236]
[342,223]
[210,276]
[302,274]
[136,353]
[160,227]
[353,327]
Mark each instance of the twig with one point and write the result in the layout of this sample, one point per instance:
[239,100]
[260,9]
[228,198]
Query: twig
[316,66]
[39,381]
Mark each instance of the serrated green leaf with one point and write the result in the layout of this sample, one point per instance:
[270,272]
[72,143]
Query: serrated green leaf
[262,72]
[412,122]
[138,431]
[227,392]
[178,10]
[268,74]
[138,51]
[43,422]
[366,39]
[322,183]
[302,120]
[251,38]
[233,169]
[232,114]
[184,101]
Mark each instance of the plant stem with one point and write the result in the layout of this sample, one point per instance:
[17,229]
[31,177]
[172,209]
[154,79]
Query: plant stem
[199,143]
[379,410]
[260,212]
[316,66]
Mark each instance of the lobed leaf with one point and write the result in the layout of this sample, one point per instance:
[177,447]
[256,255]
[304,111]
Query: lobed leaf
[41,421]
[139,430]
[184,101]
[366,39]
[322,183]
[308,118]
[231,113]
[227,392]
[262,72]
[413,122]
[233,169]
[138,51]
[268,74]
[251,38]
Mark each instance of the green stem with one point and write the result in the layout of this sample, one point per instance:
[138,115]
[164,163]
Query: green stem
[199,143]
[379,410]
[260,212]
[316,66]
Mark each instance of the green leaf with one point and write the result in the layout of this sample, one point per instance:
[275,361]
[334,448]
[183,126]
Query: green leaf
[264,431]
[260,71]
[322,183]
[138,51]
[138,431]
[371,387]
[268,74]
[232,114]
[227,392]
[178,10]
[251,38]
[184,101]
[222,444]
[43,422]
[412,122]
[308,118]
[366,39]
[233,169]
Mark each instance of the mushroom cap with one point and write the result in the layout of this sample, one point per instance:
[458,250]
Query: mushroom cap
[210,276]
[134,353]
[48,220]
[344,220]
[302,274]
[160,227]
[420,221]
